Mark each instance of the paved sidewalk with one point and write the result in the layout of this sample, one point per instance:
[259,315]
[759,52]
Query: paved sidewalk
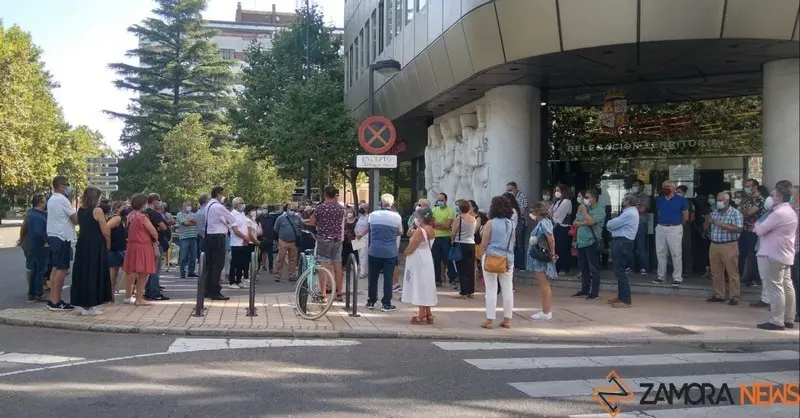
[575,320]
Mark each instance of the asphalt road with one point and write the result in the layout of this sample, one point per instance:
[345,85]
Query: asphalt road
[132,375]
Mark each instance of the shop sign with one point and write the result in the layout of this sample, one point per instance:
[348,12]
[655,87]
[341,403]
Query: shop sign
[646,145]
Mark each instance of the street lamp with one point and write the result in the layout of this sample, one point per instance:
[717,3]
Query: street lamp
[385,68]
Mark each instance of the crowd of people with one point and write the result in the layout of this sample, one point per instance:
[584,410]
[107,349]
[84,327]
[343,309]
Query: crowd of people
[755,235]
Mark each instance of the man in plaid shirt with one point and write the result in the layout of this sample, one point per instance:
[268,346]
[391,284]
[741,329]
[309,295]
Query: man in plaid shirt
[724,226]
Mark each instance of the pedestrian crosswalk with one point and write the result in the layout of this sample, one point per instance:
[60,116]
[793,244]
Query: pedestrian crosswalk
[29,358]
[586,371]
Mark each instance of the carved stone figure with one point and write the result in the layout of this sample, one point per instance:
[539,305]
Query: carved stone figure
[469,123]
[433,166]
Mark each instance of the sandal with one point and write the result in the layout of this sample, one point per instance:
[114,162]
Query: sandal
[487,325]
[143,304]
[418,320]
[506,324]
[430,318]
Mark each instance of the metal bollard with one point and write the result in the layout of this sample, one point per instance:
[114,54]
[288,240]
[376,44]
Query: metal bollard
[348,270]
[201,285]
[251,307]
[355,269]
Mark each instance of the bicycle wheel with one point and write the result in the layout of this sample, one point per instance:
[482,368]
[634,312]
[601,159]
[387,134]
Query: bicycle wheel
[310,301]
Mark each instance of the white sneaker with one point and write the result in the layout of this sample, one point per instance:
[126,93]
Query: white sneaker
[245,283]
[541,316]
[129,301]
[235,286]
[91,312]
[643,272]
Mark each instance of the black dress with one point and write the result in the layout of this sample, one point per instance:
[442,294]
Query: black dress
[91,279]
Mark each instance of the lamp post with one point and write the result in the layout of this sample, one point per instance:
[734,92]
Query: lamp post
[386,68]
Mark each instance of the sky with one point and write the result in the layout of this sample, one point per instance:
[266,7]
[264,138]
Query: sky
[79,38]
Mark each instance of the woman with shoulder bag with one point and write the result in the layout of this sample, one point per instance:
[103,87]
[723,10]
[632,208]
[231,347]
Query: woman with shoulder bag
[542,259]
[498,260]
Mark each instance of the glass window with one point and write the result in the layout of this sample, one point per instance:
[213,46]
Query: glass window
[368,54]
[381,27]
[346,70]
[227,54]
[356,61]
[374,38]
[350,69]
[361,60]
[409,11]
[421,4]
[389,21]
[398,17]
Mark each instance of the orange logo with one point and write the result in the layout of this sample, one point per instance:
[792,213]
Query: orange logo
[609,397]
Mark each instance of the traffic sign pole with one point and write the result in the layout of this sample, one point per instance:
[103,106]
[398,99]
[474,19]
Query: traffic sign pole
[377,136]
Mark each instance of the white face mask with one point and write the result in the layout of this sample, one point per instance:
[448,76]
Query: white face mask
[737,200]
[720,205]
[188,208]
[532,216]
[768,203]
[557,195]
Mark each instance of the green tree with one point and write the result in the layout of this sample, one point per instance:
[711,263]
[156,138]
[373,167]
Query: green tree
[257,181]
[183,173]
[179,72]
[294,112]
[29,115]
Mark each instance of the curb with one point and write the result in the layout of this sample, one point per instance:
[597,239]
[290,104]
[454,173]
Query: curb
[192,331]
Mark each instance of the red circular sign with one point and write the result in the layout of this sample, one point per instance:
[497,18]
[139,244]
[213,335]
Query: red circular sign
[377,135]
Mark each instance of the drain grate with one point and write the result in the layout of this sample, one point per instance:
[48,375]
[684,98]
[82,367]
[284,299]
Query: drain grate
[674,330]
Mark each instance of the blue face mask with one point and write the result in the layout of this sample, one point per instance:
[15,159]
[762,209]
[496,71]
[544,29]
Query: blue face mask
[546,198]
[579,200]
[440,204]
[457,209]
[634,190]
[711,202]
[69,191]
[748,191]
[791,200]
[768,204]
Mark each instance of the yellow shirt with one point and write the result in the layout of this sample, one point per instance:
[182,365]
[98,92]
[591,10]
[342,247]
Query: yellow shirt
[442,215]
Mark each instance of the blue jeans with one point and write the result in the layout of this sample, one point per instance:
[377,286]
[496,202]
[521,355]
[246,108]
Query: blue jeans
[376,266]
[521,239]
[188,254]
[40,258]
[590,274]
[639,255]
[439,250]
[153,283]
[621,251]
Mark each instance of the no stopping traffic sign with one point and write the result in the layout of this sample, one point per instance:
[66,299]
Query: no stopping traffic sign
[377,135]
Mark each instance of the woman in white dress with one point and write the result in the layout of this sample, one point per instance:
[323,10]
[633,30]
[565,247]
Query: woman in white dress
[419,283]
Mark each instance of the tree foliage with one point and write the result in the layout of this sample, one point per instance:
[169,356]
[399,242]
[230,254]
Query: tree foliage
[292,111]
[180,72]
[191,166]
[35,142]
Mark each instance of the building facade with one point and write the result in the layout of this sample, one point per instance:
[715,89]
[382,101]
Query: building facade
[470,103]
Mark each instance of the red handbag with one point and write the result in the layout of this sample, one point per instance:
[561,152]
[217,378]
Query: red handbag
[573,231]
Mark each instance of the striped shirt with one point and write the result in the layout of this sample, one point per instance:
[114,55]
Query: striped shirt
[186,231]
[385,226]
[730,216]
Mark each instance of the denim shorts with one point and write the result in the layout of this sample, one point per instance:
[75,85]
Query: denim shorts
[329,251]
[60,253]
[116,258]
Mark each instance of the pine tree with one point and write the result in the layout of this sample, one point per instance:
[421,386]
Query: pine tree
[180,72]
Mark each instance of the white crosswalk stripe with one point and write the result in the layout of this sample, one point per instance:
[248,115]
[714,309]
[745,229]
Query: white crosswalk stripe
[620,361]
[28,358]
[185,345]
[583,388]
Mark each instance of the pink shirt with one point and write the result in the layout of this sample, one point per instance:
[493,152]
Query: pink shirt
[777,233]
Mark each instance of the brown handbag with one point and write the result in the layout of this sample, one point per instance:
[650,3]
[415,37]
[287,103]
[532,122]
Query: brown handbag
[498,263]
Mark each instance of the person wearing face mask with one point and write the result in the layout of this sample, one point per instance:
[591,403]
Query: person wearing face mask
[547,197]
[217,221]
[443,220]
[723,226]
[737,199]
[362,233]
[240,238]
[641,253]
[751,207]
[288,226]
[187,233]
[61,220]
[672,212]
[562,210]
[153,212]
[412,220]
[623,230]
[350,222]
[776,254]
[589,221]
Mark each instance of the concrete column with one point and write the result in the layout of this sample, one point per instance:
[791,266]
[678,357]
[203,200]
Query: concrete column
[780,121]
[512,131]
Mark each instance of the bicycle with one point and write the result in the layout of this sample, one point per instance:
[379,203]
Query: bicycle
[310,297]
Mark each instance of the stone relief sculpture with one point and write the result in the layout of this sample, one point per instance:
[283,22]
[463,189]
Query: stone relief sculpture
[433,162]
[455,158]
[480,174]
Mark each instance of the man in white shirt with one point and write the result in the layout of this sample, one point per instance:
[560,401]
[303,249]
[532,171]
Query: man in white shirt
[61,221]
[217,222]
[239,244]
